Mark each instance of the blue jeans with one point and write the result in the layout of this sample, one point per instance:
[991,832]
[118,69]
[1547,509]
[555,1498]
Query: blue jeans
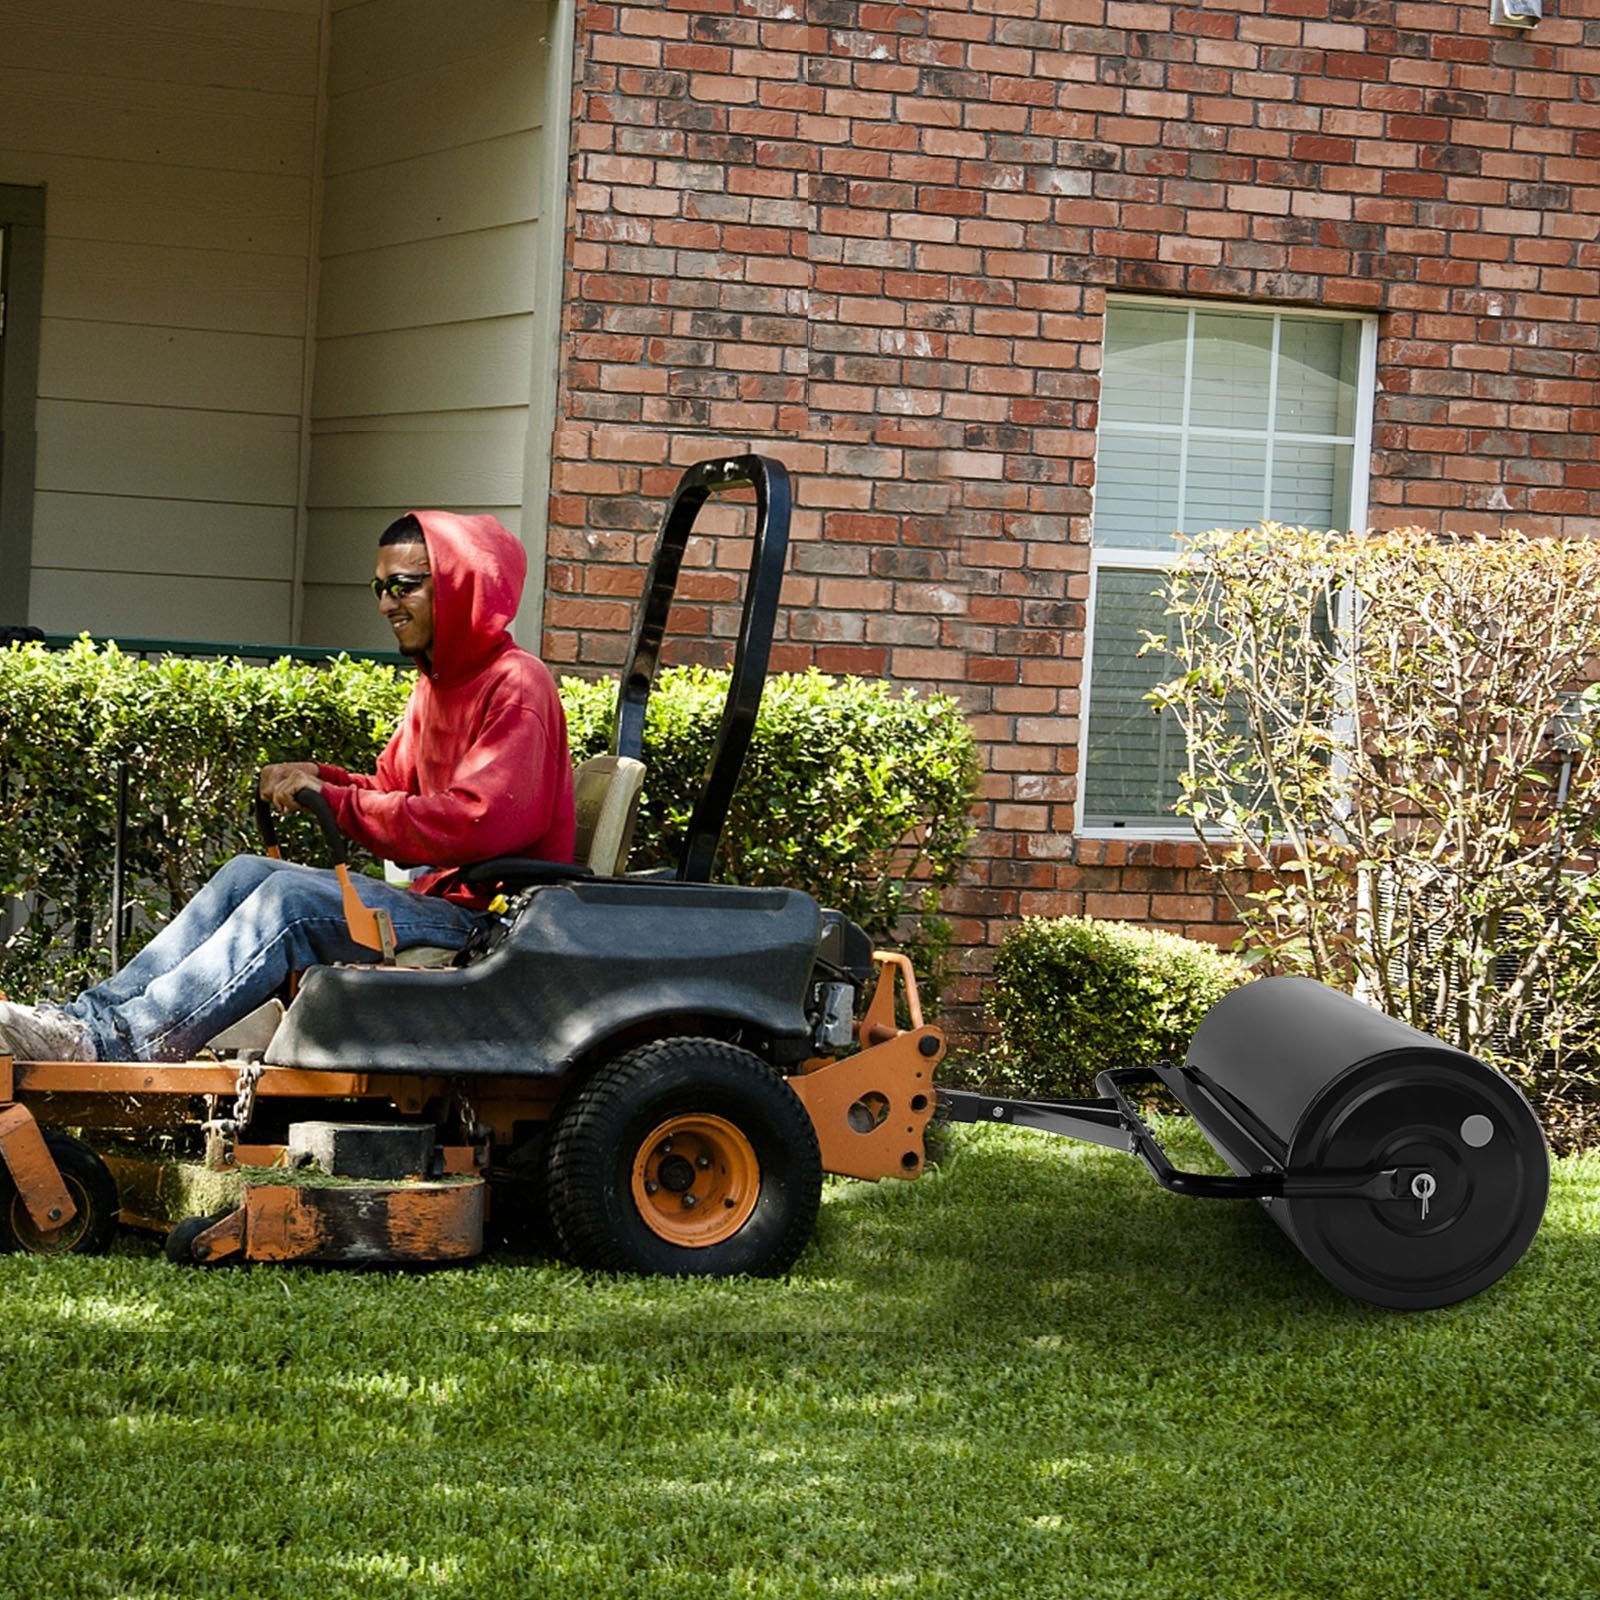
[233,947]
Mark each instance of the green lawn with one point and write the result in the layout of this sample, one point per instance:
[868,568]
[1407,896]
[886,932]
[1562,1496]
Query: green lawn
[1031,1373]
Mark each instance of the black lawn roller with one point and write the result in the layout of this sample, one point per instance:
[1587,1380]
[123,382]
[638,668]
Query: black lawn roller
[1407,1172]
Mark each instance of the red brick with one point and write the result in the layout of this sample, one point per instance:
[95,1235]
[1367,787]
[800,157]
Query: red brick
[933,253]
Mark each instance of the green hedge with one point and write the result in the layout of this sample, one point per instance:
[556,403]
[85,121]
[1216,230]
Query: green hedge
[190,735]
[850,791]
[1073,996]
[858,794]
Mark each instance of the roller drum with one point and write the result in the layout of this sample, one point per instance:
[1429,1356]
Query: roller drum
[1319,1083]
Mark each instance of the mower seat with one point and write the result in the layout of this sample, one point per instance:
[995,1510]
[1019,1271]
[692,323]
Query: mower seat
[606,796]
[606,800]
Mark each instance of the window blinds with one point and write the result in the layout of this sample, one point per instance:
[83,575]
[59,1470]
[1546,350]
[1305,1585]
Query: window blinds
[1209,417]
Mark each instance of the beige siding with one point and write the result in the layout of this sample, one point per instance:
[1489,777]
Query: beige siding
[292,257]
[457,279]
[115,283]
[414,462]
[428,245]
[176,140]
[457,367]
[165,453]
[195,368]
[174,537]
[186,44]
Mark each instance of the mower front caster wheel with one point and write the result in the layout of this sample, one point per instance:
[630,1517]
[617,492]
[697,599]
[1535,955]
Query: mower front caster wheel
[179,1247]
[687,1158]
[93,1191]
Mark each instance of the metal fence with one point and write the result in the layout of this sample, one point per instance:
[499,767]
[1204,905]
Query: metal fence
[209,648]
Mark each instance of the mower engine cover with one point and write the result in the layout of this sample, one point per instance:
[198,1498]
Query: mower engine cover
[584,961]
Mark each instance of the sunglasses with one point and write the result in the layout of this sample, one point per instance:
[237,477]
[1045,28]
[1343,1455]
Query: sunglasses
[402,583]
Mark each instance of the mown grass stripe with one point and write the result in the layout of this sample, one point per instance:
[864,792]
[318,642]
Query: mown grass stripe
[1030,1372]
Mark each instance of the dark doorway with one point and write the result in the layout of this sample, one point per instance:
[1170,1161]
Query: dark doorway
[21,300]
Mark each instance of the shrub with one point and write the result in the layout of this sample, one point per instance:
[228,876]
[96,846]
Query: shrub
[859,794]
[851,792]
[1074,996]
[1392,764]
[1563,1082]
[191,735]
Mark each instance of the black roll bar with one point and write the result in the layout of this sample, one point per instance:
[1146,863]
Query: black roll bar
[769,551]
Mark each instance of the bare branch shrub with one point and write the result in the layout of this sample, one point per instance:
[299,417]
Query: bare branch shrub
[1392,765]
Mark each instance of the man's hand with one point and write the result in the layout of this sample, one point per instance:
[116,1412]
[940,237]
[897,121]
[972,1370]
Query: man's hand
[283,780]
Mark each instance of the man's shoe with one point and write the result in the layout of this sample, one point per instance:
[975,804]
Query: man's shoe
[44,1033]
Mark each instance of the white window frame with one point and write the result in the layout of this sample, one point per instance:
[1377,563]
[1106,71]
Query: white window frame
[1155,561]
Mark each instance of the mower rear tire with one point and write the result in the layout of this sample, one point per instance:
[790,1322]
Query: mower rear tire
[93,1191]
[685,1158]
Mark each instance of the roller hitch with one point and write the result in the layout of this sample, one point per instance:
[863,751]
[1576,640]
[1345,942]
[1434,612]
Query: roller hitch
[1097,1121]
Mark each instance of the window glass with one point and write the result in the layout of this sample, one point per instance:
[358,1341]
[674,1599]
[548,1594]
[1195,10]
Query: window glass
[1146,354]
[1225,483]
[1136,491]
[1132,753]
[1209,417]
[1232,371]
[1311,484]
[1316,386]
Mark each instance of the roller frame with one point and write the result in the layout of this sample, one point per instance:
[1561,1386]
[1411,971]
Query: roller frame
[1116,1123]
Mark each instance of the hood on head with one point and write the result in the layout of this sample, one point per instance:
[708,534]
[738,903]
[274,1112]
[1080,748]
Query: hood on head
[478,571]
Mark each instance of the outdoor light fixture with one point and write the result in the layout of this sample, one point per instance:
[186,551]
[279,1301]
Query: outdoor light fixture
[1515,13]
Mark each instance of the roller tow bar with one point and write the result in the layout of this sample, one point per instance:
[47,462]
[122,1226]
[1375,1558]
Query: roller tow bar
[1117,1124]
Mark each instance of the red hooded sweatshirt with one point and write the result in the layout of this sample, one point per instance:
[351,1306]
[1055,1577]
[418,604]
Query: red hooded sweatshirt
[478,766]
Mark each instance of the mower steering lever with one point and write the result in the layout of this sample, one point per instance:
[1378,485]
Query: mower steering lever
[316,803]
[370,928]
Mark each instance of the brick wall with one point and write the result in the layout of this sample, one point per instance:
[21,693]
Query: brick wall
[876,239]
